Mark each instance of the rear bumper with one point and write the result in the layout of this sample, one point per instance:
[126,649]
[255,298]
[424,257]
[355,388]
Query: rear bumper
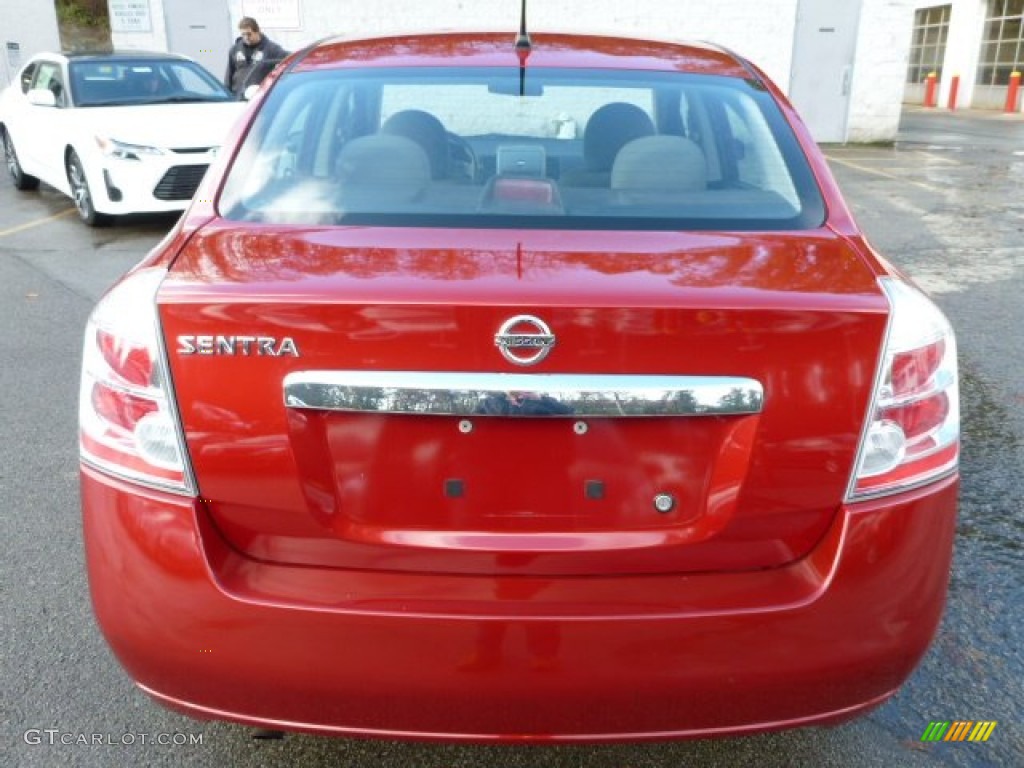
[214,634]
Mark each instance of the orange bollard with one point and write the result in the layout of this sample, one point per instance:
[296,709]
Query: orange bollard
[1011,92]
[930,83]
[954,87]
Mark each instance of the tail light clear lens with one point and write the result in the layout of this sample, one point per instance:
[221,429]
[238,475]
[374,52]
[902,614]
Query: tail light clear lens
[913,430]
[128,425]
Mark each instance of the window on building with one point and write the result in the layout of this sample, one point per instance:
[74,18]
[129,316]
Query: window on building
[1002,47]
[928,46]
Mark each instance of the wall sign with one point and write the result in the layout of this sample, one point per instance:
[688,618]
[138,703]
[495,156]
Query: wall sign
[14,56]
[273,14]
[130,16]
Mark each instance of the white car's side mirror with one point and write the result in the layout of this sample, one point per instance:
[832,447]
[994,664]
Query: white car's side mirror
[249,92]
[42,97]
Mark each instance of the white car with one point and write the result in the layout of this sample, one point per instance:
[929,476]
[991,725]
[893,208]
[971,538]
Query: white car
[119,133]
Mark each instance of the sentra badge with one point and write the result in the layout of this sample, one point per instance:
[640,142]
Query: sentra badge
[241,346]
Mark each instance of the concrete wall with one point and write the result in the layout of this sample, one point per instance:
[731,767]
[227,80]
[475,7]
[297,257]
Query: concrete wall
[963,49]
[761,30]
[883,52]
[32,26]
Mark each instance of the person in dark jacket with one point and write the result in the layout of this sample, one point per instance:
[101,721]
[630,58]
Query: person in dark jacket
[251,58]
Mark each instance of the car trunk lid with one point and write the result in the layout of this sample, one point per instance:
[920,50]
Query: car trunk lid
[366,398]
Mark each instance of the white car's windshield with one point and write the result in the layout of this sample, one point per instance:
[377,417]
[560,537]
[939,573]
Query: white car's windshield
[112,82]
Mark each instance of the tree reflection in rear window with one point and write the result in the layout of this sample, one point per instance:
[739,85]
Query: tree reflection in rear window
[555,149]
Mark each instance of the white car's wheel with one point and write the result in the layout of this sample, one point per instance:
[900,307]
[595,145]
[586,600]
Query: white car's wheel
[81,194]
[20,179]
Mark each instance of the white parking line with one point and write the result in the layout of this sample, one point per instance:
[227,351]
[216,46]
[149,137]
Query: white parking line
[35,223]
[883,174]
[936,158]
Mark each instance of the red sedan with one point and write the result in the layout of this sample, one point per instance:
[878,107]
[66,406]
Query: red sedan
[519,393]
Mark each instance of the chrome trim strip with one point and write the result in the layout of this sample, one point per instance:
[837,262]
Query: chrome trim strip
[433,393]
[110,469]
[191,485]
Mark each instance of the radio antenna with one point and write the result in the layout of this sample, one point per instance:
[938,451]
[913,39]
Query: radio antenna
[523,41]
[523,46]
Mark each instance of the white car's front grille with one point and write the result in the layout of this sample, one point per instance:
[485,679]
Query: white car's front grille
[180,182]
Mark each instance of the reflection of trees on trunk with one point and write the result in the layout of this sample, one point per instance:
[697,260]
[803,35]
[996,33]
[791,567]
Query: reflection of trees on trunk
[554,403]
[390,400]
[685,260]
[686,402]
[497,48]
[741,400]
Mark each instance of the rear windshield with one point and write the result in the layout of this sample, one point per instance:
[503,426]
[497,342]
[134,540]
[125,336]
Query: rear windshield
[539,148]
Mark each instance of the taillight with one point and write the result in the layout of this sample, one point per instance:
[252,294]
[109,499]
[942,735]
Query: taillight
[913,430]
[128,425]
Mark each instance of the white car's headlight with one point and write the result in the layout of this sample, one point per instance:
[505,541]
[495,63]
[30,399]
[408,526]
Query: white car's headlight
[119,149]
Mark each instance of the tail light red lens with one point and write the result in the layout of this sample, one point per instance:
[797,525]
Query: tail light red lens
[913,430]
[119,408]
[131,362]
[913,370]
[127,422]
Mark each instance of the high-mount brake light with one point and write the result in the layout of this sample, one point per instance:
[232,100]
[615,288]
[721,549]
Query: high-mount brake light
[128,425]
[913,431]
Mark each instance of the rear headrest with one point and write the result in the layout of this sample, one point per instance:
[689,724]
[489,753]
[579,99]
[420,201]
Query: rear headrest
[427,131]
[609,129]
[380,167]
[660,164]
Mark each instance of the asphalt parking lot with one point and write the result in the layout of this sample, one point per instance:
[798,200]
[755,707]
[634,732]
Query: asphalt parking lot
[944,204]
